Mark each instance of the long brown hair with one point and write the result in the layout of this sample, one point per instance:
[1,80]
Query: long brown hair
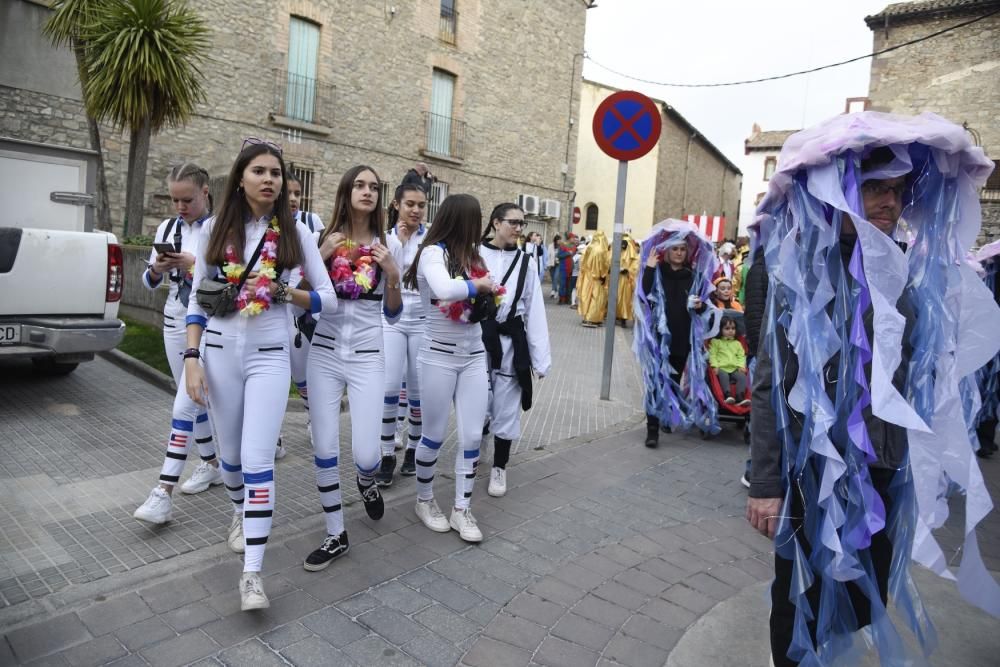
[342,213]
[457,224]
[234,212]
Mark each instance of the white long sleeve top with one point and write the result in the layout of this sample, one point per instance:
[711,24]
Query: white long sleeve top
[435,282]
[174,308]
[356,326]
[274,321]
[413,308]
[530,307]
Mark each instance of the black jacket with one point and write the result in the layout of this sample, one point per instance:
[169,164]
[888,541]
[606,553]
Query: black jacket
[888,440]
[676,286]
[755,304]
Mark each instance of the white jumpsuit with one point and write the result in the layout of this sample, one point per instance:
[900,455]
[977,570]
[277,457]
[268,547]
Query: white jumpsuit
[247,370]
[505,395]
[402,343]
[452,368]
[189,421]
[299,352]
[347,355]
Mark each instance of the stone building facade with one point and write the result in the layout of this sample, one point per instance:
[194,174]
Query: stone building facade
[955,75]
[684,174]
[345,82]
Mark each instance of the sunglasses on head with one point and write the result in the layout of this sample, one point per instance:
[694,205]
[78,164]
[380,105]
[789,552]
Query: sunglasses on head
[257,141]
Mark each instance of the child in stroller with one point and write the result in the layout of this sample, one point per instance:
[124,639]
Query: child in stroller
[727,372]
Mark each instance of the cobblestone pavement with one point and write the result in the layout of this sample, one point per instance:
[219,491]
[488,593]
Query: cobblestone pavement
[602,552]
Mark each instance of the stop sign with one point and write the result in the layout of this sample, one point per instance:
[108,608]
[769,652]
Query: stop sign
[576,215]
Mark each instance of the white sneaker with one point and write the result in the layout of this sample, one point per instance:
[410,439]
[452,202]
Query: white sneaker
[252,595]
[465,524]
[235,539]
[204,476]
[399,439]
[432,516]
[498,482]
[279,450]
[156,509]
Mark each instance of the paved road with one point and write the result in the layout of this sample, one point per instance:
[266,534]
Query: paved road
[603,552]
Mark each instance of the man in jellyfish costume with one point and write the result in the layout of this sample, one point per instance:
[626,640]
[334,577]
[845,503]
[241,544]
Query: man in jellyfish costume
[658,308]
[858,432]
[988,377]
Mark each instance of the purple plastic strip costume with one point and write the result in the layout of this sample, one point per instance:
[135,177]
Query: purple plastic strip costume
[820,310]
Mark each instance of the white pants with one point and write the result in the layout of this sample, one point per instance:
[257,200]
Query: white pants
[248,392]
[460,379]
[505,406]
[329,375]
[298,355]
[402,346]
[188,420]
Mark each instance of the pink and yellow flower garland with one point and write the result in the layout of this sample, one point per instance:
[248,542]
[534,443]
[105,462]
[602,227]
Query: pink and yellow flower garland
[459,311]
[352,270]
[255,303]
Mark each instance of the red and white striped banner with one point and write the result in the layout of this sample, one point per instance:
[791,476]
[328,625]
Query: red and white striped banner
[712,226]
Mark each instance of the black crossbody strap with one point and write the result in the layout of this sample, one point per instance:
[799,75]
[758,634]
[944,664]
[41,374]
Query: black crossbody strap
[168,229]
[253,260]
[519,290]
[510,269]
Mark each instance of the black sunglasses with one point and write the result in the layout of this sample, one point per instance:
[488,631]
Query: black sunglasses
[256,141]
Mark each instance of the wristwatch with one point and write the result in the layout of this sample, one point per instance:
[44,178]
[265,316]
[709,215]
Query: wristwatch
[281,294]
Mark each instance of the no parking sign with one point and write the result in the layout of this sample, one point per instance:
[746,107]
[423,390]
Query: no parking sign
[626,126]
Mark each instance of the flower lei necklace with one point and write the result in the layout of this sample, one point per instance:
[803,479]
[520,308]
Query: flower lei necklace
[255,303]
[352,270]
[459,311]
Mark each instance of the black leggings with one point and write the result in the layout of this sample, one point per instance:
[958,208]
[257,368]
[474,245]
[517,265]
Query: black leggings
[782,609]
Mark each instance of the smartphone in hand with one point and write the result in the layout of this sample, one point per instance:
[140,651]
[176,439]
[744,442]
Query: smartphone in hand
[164,248]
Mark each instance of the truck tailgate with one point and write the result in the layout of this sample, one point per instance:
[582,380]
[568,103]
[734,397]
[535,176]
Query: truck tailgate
[49,272]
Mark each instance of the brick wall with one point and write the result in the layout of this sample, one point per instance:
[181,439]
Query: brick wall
[514,64]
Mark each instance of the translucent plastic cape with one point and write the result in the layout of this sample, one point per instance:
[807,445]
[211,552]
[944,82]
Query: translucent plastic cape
[693,404]
[817,182]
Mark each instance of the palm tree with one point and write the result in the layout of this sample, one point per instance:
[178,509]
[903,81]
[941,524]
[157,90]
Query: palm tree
[63,29]
[143,73]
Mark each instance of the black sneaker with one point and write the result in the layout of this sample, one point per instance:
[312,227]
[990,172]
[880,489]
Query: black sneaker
[409,466]
[384,475]
[332,547]
[372,499]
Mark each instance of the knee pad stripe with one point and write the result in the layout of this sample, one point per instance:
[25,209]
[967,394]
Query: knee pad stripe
[471,453]
[208,458]
[178,457]
[170,478]
[182,425]
[329,489]
[326,463]
[391,400]
[234,488]
[425,480]
[229,467]
[257,514]
[430,443]
[415,402]
[202,418]
[389,420]
[426,463]
[387,438]
[256,541]
[202,441]
[331,508]
[258,477]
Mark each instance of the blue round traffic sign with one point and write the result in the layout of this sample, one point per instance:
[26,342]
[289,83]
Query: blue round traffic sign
[627,125]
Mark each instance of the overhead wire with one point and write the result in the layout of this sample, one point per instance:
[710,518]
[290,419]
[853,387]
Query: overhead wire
[901,45]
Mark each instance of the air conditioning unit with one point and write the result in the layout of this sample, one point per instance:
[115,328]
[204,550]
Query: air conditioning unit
[549,208]
[529,203]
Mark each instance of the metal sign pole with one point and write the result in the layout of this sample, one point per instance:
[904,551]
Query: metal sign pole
[614,275]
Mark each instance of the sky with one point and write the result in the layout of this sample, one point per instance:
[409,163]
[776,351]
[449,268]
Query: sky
[710,41]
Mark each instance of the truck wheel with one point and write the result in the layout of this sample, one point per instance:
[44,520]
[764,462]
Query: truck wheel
[46,366]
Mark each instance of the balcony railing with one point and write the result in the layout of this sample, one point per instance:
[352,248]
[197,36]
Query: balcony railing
[303,99]
[444,136]
[448,28]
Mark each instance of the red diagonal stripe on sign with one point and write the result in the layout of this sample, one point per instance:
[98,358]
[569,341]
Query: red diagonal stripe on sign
[626,125]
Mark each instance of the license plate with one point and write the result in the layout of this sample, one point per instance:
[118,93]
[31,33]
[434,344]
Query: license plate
[10,333]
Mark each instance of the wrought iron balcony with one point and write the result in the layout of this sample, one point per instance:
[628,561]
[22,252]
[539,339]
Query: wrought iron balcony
[444,136]
[302,99]
[448,28]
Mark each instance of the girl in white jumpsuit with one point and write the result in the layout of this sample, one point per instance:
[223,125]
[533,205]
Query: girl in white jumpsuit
[300,341]
[189,426]
[347,351]
[402,339]
[517,340]
[245,375]
[453,284]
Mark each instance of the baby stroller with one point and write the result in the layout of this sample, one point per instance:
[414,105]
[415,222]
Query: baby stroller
[731,412]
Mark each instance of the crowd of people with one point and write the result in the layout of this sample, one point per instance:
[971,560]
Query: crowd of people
[262,293]
[841,333]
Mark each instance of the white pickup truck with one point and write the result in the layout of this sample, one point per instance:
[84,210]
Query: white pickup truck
[59,284]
